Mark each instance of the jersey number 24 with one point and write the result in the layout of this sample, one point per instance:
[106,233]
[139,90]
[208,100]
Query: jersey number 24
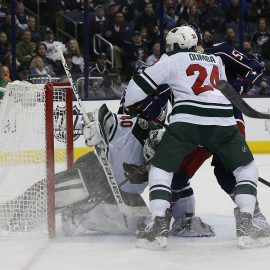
[199,86]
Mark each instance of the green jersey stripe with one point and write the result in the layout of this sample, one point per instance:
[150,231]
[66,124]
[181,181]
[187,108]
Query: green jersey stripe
[160,195]
[144,85]
[203,103]
[149,78]
[159,186]
[245,189]
[189,109]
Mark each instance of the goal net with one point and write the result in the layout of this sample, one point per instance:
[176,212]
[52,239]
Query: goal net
[36,141]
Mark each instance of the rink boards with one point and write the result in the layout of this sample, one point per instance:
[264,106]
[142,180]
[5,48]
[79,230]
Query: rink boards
[257,130]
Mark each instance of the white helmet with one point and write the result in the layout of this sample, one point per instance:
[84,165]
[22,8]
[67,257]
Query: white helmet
[184,36]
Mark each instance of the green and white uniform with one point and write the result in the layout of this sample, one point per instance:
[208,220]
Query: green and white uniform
[201,115]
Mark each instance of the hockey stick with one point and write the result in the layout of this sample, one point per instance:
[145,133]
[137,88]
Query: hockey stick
[229,92]
[101,153]
[264,181]
[73,85]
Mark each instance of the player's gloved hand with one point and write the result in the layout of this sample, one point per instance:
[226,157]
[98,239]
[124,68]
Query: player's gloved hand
[151,144]
[136,174]
[241,85]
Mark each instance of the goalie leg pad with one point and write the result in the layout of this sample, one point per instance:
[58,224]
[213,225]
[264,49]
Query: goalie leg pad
[69,188]
[105,218]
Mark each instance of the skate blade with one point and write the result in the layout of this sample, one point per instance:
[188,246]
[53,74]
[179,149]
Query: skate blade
[160,243]
[248,242]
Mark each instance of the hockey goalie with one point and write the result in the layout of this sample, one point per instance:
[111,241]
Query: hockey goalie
[83,193]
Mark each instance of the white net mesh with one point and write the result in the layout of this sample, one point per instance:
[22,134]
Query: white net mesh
[23,184]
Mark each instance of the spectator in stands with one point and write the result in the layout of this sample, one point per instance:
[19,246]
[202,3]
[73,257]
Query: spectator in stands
[184,11]
[146,38]
[20,17]
[230,36]
[4,74]
[74,69]
[260,9]
[248,51]
[211,14]
[58,7]
[36,35]
[147,18]
[261,36]
[23,72]
[118,33]
[7,61]
[41,50]
[50,43]
[98,23]
[113,8]
[128,9]
[265,87]
[117,86]
[232,12]
[25,48]
[74,49]
[3,13]
[154,57]
[172,17]
[6,26]
[4,78]
[193,16]
[207,38]
[136,50]
[4,45]
[261,88]
[101,70]
[38,67]
[140,4]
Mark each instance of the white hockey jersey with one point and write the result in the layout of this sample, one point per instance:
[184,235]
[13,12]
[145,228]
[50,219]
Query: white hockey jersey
[193,77]
[125,147]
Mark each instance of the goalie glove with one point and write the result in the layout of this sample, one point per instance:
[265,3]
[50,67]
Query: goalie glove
[96,133]
[135,174]
[91,132]
[151,144]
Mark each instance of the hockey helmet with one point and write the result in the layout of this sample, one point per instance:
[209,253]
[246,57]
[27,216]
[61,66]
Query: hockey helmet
[184,36]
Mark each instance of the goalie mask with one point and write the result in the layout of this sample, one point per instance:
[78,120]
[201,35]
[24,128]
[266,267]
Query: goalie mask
[183,36]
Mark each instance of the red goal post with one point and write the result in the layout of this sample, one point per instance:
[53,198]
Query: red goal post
[36,141]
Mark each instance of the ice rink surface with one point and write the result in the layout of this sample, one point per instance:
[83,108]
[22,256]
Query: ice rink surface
[119,253]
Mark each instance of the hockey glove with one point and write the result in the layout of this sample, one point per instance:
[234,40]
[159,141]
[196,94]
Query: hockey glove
[136,174]
[151,144]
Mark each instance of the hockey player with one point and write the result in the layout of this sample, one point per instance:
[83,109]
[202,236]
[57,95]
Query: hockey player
[242,72]
[200,115]
[155,107]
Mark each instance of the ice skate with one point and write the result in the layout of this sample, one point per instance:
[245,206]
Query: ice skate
[191,226]
[155,233]
[249,235]
[259,220]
